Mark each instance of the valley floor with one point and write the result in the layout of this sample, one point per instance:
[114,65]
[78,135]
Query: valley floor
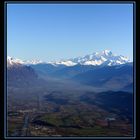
[55,114]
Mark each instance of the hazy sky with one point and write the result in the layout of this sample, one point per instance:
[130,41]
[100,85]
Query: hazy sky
[55,31]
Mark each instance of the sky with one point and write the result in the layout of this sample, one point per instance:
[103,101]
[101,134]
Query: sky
[51,32]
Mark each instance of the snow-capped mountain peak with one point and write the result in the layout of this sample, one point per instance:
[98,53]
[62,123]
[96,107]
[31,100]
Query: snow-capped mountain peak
[13,61]
[104,58]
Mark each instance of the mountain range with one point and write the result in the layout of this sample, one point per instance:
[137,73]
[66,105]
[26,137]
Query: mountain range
[104,58]
[97,69]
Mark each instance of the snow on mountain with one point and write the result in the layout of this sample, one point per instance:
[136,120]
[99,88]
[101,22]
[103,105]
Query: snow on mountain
[66,63]
[33,62]
[12,61]
[105,58]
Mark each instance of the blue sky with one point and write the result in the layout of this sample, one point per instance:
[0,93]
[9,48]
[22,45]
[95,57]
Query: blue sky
[56,31]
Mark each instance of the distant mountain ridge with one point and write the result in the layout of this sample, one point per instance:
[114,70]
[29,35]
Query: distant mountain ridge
[105,58]
[102,69]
